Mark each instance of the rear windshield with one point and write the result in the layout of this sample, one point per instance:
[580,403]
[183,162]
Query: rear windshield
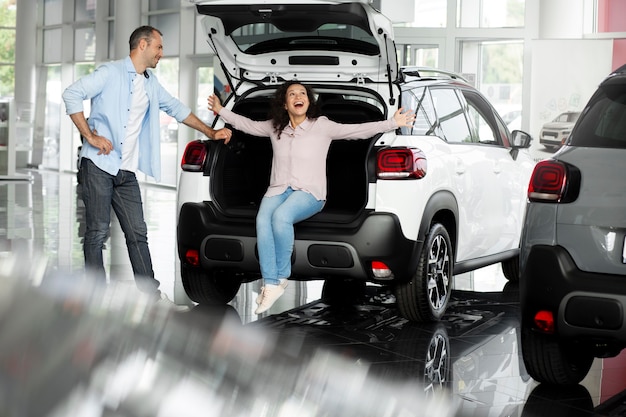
[262,38]
[603,123]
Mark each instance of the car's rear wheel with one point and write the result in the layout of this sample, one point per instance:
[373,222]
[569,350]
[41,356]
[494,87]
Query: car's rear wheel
[426,295]
[551,361]
[510,269]
[216,287]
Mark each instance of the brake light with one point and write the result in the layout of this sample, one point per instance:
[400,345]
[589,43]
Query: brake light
[401,163]
[544,320]
[194,157]
[548,181]
[192,256]
[381,270]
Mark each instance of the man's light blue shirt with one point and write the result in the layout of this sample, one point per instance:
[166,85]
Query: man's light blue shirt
[109,89]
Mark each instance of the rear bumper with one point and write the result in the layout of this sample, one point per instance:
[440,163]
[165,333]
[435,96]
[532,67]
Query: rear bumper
[587,305]
[320,250]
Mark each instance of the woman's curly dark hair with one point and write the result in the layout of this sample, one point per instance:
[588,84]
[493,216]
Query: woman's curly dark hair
[278,114]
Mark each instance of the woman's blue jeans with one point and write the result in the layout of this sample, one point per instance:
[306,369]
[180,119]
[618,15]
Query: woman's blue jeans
[275,232]
[100,192]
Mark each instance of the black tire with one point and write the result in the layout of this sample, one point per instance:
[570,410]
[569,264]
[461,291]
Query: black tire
[212,288]
[342,292]
[425,297]
[553,401]
[510,269]
[551,361]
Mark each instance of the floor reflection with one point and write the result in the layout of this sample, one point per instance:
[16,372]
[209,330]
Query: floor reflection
[473,354]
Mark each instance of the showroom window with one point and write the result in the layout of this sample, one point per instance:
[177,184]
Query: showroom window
[164,15]
[52,32]
[205,88]
[51,38]
[84,10]
[84,44]
[54,111]
[169,25]
[52,57]
[84,33]
[418,55]
[495,68]
[490,13]
[52,12]
[426,13]
[7,47]
[167,73]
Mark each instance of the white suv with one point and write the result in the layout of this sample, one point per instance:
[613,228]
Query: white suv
[408,208]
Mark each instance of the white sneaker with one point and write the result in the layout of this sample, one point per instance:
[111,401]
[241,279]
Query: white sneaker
[269,294]
[165,301]
[283,283]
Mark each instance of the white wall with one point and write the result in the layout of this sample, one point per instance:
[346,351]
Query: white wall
[565,73]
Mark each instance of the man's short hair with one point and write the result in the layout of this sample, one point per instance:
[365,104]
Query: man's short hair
[142,32]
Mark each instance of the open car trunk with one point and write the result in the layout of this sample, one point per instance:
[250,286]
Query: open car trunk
[240,175]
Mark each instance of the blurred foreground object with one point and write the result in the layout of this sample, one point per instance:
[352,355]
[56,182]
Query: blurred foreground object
[70,348]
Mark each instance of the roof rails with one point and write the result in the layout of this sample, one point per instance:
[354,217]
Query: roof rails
[422,73]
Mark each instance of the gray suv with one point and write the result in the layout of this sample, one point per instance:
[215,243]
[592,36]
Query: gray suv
[573,253]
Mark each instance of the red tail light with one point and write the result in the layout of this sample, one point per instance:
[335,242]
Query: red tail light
[544,320]
[381,270]
[194,157]
[401,163]
[192,257]
[547,184]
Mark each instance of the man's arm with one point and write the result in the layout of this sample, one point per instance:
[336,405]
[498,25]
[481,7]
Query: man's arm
[92,138]
[195,123]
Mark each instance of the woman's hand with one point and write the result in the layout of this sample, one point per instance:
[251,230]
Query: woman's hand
[214,103]
[405,119]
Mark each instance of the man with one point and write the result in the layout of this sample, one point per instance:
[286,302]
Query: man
[120,138]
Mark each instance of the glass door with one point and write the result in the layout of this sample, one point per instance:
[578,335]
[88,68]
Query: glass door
[496,70]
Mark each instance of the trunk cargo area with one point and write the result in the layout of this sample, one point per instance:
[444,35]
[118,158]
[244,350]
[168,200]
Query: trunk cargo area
[240,174]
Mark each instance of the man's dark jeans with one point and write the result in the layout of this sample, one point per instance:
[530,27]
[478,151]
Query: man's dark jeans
[100,192]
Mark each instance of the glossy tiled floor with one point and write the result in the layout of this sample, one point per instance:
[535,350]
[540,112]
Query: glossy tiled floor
[473,355]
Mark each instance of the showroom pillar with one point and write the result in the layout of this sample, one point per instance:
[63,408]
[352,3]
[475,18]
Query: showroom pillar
[554,11]
[25,65]
[127,19]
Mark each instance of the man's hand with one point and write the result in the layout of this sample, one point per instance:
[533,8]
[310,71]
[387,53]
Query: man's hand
[194,122]
[100,142]
[91,136]
[224,134]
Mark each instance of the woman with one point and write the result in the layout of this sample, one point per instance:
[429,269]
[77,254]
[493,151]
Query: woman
[297,190]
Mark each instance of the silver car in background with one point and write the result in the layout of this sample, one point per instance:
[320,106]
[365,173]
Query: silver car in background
[573,251]
[553,134]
